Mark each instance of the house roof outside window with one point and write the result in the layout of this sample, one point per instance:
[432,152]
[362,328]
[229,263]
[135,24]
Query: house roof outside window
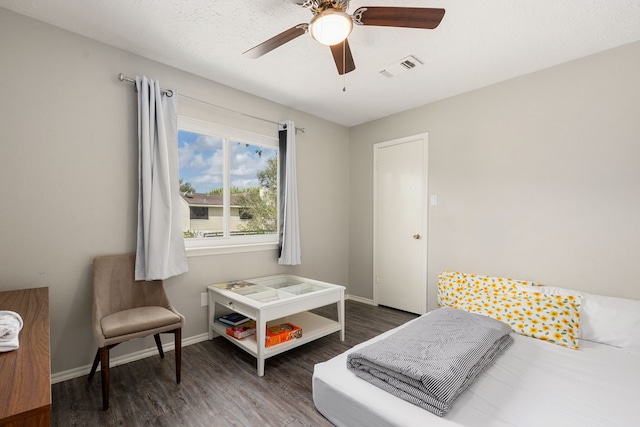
[211,200]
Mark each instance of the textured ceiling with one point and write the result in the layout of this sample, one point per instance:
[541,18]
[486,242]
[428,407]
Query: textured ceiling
[477,44]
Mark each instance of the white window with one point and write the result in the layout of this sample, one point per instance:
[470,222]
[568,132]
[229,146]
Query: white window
[228,186]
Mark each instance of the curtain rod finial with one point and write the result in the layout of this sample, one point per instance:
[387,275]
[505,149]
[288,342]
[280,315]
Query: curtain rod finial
[121,77]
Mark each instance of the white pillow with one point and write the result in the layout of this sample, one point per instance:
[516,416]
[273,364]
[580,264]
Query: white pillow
[612,321]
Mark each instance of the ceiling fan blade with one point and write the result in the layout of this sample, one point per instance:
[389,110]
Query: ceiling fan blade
[277,41]
[342,57]
[409,17]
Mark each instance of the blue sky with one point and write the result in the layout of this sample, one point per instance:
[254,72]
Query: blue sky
[200,158]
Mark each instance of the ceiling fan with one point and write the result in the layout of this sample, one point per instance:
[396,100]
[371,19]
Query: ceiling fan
[331,25]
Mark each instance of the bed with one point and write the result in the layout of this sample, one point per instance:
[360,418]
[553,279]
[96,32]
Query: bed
[533,383]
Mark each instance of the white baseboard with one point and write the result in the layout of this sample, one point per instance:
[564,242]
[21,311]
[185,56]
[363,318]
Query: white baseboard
[121,360]
[360,299]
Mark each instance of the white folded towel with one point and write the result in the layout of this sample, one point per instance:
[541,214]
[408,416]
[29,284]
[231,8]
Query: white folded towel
[10,325]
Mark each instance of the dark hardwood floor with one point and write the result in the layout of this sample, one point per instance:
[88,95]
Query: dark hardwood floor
[219,386]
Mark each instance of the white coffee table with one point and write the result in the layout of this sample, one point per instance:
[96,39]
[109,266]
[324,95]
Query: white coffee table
[274,300]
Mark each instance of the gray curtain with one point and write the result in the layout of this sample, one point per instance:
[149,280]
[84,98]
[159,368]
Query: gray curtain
[160,250]
[289,225]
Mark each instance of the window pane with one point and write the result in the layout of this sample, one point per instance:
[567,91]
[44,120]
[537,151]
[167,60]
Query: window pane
[199,212]
[253,178]
[201,181]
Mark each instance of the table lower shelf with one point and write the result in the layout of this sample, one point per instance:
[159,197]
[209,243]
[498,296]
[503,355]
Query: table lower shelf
[313,327]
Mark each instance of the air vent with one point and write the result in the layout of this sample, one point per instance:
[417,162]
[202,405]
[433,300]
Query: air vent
[402,66]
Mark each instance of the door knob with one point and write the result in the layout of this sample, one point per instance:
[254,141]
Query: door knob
[416,236]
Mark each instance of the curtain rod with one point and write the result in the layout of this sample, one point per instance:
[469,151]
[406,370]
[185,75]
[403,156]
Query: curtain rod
[169,92]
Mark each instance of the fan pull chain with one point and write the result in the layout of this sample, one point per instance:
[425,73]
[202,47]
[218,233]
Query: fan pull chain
[344,65]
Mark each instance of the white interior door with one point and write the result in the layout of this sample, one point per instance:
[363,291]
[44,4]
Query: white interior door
[400,224]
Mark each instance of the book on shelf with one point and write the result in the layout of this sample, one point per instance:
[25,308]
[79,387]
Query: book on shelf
[233,319]
[282,333]
[242,330]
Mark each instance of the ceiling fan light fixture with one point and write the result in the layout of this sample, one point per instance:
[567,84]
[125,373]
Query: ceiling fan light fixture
[331,27]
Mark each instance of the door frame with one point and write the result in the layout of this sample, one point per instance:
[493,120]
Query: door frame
[425,211]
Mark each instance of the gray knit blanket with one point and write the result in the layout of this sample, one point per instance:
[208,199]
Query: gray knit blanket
[431,361]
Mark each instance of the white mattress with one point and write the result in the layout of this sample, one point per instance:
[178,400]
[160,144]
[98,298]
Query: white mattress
[532,384]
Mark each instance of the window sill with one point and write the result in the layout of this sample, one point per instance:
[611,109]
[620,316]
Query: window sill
[230,249]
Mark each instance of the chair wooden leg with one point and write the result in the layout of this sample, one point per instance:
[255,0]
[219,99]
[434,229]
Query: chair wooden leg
[159,345]
[102,358]
[178,345]
[104,370]
[96,360]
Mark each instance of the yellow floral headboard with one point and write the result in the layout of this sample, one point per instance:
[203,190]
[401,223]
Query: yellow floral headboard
[519,303]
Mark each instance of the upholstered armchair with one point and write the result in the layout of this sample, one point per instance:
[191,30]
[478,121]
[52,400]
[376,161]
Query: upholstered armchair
[124,309]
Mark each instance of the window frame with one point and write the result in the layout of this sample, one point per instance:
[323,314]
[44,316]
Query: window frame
[230,244]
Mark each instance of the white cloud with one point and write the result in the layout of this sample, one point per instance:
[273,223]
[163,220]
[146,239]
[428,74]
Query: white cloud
[201,162]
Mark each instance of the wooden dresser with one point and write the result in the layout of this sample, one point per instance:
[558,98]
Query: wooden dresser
[25,373]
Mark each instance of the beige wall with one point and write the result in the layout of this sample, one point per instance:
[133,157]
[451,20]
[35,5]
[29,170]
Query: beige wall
[537,178]
[68,147]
